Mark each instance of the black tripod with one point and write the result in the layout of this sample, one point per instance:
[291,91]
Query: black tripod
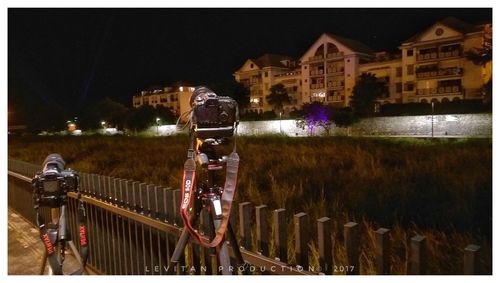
[208,199]
[55,236]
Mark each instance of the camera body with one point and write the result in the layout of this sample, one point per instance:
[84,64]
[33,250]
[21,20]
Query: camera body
[51,185]
[213,116]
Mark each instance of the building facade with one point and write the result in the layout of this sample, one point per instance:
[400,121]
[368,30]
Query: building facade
[431,67]
[434,63]
[176,98]
[388,69]
[260,74]
[330,68]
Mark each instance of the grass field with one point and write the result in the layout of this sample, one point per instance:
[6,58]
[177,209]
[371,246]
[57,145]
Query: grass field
[441,189]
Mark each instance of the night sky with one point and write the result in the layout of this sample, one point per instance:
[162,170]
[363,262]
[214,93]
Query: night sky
[77,56]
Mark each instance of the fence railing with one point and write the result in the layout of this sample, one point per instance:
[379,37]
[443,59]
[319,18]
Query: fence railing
[133,229]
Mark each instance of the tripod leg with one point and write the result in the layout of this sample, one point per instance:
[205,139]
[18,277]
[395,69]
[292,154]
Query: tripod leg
[236,248]
[76,253]
[44,262]
[178,252]
[224,262]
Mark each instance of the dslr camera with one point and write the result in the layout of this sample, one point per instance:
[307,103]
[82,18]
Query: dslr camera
[213,116]
[51,185]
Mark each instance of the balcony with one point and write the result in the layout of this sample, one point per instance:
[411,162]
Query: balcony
[335,85]
[335,55]
[438,73]
[316,73]
[335,70]
[440,90]
[427,56]
[450,54]
[317,86]
[335,98]
[439,55]
[316,58]
[254,82]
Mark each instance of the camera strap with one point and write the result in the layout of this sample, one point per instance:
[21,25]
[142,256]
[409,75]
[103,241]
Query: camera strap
[82,235]
[188,185]
[50,242]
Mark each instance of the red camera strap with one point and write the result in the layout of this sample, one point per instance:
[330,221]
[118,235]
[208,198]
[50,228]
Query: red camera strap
[188,185]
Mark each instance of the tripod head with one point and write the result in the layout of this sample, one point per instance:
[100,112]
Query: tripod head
[208,158]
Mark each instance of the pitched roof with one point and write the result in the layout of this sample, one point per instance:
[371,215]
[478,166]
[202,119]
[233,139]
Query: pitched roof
[352,44]
[451,22]
[272,60]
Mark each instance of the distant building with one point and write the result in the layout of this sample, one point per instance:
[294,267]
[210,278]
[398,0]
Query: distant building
[330,68]
[260,74]
[388,69]
[431,67]
[176,98]
[434,65]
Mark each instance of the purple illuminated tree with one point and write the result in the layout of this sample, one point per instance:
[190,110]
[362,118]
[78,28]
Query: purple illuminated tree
[315,115]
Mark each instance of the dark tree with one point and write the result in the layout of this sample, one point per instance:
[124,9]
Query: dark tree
[165,114]
[278,97]
[233,89]
[108,110]
[141,118]
[484,54]
[365,92]
[481,57]
[344,117]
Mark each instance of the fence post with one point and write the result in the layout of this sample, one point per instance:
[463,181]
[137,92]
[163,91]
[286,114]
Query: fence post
[280,234]
[471,260]
[300,221]
[116,190]
[135,196]
[262,230]
[169,203]
[325,245]
[177,208]
[351,236]
[382,251]
[245,225]
[129,191]
[418,254]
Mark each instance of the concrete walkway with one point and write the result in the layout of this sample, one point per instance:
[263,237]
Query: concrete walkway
[25,250]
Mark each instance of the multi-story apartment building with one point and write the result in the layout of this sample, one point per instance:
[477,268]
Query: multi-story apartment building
[434,65]
[175,98]
[431,67]
[260,74]
[330,68]
[388,69]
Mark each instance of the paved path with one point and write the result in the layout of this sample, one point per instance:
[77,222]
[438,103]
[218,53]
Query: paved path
[25,250]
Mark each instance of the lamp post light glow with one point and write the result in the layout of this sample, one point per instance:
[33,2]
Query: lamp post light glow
[432,119]
[280,121]
[157,126]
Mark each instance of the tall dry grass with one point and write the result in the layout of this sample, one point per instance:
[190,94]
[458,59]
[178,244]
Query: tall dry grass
[440,188]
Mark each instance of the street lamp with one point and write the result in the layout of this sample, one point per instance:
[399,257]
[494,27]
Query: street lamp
[280,121]
[432,119]
[103,124]
[157,126]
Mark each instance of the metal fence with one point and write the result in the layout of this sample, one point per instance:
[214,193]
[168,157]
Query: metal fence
[133,229]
